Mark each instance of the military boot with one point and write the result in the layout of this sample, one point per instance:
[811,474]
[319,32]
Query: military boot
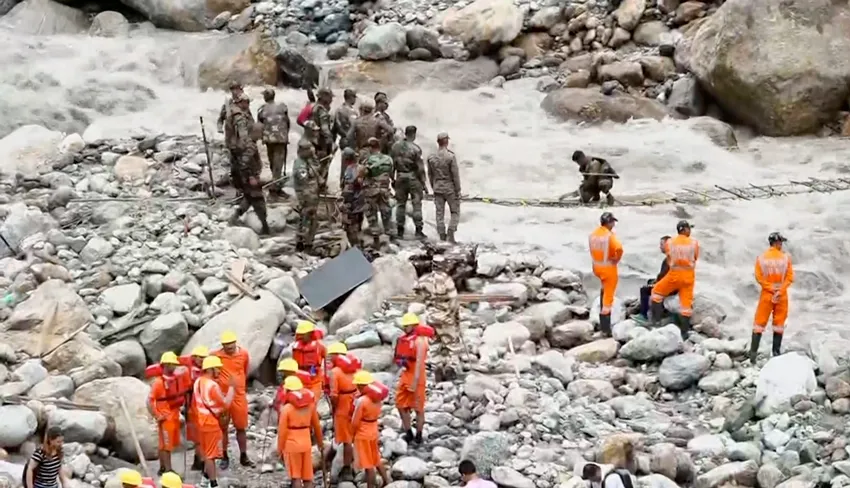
[777,344]
[346,474]
[754,347]
[656,311]
[451,237]
[244,460]
[419,234]
[605,325]
[685,327]
[408,436]
[197,463]
[441,233]
[400,231]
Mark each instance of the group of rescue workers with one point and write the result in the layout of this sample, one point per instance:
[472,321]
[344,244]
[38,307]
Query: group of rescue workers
[209,389]
[773,271]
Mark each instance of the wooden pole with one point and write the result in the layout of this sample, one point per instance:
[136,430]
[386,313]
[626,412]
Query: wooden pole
[136,444]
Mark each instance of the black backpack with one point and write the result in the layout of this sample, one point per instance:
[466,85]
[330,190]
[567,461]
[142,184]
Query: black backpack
[624,475]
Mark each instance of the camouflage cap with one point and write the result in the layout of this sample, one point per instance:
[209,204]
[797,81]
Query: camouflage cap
[373,141]
[348,153]
[442,135]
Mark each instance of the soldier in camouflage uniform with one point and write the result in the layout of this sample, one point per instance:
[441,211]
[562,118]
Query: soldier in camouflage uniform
[365,127]
[311,134]
[344,117]
[325,137]
[245,161]
[387,137]
[379,171]
[409,180]
[224,113]
[437,290]
[275,119]
[445,183]
[305,179]
[353,203]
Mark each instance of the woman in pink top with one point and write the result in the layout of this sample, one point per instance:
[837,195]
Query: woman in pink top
[470,478]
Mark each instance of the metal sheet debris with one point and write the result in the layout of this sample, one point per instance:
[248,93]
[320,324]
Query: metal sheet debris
[335,278]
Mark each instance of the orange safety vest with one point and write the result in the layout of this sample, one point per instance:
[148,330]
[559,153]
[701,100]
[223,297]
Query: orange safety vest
[308,356]
[682,253]
[605,249]
[772,268]
[205,404]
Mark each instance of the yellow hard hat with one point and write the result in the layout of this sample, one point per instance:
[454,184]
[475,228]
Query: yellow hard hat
[169,358]
[292,383]
[363,377]
[171,480]
[200,351]
[305,327]
[288,365]
[228,337]
[211,362]
[130,477]
[409,319]
[337,348]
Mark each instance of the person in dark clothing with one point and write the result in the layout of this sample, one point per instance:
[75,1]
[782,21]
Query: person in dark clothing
[646,290]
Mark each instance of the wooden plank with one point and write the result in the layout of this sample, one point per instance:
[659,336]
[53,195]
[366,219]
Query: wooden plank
[242,286]
[237,269]
[739,195]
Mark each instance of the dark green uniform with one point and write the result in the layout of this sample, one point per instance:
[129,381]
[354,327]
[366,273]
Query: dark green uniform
[379,170]
[409,182]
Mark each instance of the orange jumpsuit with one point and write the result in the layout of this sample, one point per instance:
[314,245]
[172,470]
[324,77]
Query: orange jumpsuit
[293,441]
[342,396]
[317,370]
[235,365]
[413,375]
[605,252]
[682,254]
[210,404]
[166,397]
[364,424]
[192,420]
[775,274]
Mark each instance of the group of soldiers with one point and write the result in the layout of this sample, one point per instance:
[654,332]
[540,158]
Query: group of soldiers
[378,163]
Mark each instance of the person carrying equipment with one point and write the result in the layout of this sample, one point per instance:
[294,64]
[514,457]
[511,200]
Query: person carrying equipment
[310,354]
[166,399]
[235,363]
[411,353]
[774,273]
[210,405]
[296,421]
[198,355]
[342,392]
[605,252]
[682,255]
[364,423]
[288,368]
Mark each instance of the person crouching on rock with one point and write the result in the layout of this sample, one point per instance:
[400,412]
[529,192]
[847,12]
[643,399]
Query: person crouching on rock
[296,421]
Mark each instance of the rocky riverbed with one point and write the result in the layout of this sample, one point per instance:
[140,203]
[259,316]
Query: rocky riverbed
[548,393]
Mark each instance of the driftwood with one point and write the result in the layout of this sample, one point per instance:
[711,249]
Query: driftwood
[242,286]
[63,404]
[138,446]
[64,341]
[461,298]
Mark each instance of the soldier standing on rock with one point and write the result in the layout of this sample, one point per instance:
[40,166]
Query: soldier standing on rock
[275,119]
[387,137]
[353,204]
[409,179]
[245,161]
[325,138]
[306,182]
[437,290]
[379,171]
[445,182]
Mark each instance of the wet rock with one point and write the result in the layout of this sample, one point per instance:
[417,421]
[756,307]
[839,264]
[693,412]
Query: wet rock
[184,15]
[129,354]
[109,24]
[409,468]
[629,12]
[541,317]
[30,372]
[505,476]
[782,378]
[382,41]
[654,345]
[295,70]
[419,37]
[79,425]
[59,386]
[740,473]
[484,22]
[590,106]
[627,73]
[167,332]
[719,132]
[600,351]
[545,18]
[489,449]
[652,33]
[44,17]
[571,334]
[445,74]
[248,59]
[681,371]
[17,423]
[718,382]
[663,460]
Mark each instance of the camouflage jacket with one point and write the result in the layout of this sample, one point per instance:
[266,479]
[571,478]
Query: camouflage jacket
[596,167]
[343,118]
[225,121]
[365,127]
[387,135]
[438,291]
[305,179]
[322,117]
[244,145]
[352,189]
[379,171]
[275,119]
[443,172]
[407,157]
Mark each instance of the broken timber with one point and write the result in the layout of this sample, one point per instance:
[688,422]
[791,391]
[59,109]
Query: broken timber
[461,298]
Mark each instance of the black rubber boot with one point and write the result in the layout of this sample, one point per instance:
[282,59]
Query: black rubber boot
[197,463]
[400,231]
[451,237]
[245,461]
[656,310]
[161,471]
[685,327]
[442,235]
[777,344]
[755,340]
[605,325]
[418,438]
[419,234]
[224,463]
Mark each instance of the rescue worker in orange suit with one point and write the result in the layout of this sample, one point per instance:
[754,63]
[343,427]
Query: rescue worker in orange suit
[310,354]
[605,252]
[210,405]
[342,392]
[288,368]
[364,424]
[198,355]
[411,352]
[774,273]
[682,256]
[296,420]
[235,363]
[166,399]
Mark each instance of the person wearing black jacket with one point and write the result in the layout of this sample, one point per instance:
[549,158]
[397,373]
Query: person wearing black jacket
[646,291]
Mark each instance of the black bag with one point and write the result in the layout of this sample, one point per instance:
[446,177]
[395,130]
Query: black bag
[625,477]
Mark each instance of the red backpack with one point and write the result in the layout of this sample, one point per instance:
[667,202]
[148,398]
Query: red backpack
[305,114]
[377,392]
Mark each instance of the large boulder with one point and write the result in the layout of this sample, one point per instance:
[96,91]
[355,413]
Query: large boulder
[683,370]
[106,393]
[17,423]
[391,276]
[185,15]
[484,22]
[707,304]
[109,24]
[44,18]
[488,449]
[167,332]
[782,378]
[653,345]
[295,70]
[717,131]
[27,150]
[79,425]
[779,66]
[255,323]
[443,74]
[382,41]
[20,223]
[589,105]
[250,59]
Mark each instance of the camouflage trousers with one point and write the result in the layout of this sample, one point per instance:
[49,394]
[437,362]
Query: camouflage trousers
[324,157]
[448,349]
[307,218]
[378,204]
[277,162]
[407,186]
[440,200]
[590,192]
[352,223]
